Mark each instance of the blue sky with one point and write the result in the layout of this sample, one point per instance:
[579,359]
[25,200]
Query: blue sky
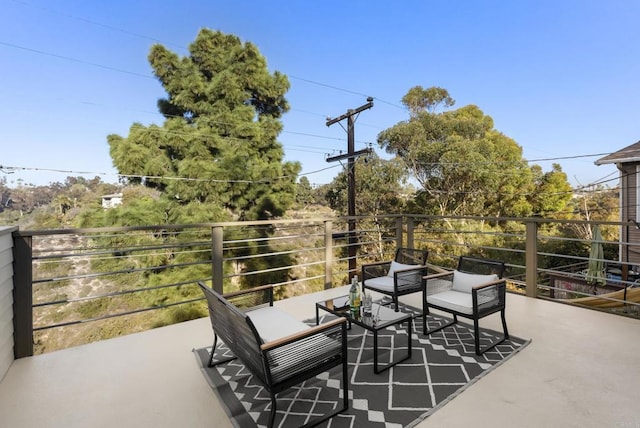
[559,77]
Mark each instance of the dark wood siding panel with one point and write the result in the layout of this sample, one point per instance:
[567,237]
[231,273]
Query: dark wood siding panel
[630,187]
[629,207]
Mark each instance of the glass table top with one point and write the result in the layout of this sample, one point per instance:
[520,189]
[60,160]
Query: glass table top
[381,315]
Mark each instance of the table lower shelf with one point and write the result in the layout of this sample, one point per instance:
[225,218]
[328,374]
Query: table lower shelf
[382,318]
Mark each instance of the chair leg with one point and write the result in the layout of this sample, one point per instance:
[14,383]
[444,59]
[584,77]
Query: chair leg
[345,384]
[476,331]
[387,303]
[213,350]
[427,332]
[345,399]
[272,416]
[504,324]
[476,335]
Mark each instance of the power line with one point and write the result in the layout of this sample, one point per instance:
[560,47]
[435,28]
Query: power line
[148,76]
[156,40]
[182,47]
[139,75]
[582,189]
[305,134]
[348,91]
[489,162]
[210,121]
[579,189]
[10,169]
[98,24]
[569,157]
[81,61]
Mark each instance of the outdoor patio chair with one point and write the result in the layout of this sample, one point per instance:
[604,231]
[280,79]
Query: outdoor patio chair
[398,277]
[474,290]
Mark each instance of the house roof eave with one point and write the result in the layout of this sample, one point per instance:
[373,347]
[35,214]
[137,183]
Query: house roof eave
[628,154]
[605,161]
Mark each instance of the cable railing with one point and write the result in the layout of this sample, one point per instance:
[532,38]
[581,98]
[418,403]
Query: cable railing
[90,284]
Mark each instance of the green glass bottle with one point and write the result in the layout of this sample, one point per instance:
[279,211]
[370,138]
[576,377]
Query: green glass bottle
[354,296]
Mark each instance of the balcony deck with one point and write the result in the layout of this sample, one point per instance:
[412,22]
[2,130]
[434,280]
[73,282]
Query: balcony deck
[581,370]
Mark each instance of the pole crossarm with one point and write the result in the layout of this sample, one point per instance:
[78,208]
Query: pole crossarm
[340,157]
[350,112]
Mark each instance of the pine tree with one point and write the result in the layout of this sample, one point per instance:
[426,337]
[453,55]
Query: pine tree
[218,144]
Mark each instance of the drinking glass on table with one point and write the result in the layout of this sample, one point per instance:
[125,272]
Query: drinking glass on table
[367,304]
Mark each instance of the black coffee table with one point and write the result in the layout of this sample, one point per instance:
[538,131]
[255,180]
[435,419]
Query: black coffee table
[382,318]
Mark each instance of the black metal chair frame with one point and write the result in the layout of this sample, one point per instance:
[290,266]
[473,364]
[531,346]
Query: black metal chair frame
[404,281]
[282,363]
[496,288]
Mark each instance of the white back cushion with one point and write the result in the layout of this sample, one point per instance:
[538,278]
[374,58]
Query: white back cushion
[398,266]
[464,282]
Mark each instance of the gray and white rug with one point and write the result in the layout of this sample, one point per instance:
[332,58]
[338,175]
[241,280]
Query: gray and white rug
[441,366]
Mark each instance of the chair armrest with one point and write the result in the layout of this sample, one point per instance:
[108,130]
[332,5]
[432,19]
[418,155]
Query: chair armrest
[487,297]
[436,269]
[306,353]
[438,283]
[409,278]
[438,275]
[377,264]
[246,291]
[480,287]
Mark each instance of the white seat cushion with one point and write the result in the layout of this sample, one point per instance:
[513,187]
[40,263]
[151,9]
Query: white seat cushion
[272,323]
[464,282]
[454,300]
[384,283]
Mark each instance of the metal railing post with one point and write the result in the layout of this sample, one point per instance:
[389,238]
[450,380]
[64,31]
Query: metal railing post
[328,255]
[22,296]
[217,274]
[531,258]
[410,229]
[399,232]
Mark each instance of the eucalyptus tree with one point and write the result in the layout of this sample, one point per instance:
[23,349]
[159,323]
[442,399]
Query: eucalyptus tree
[464,166]
[378,187]
[218,143]
[553,193]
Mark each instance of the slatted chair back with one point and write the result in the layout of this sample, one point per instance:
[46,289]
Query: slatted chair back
[479,266]
[232,327]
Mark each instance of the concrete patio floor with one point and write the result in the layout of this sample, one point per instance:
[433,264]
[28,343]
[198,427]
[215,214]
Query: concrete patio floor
[581,370]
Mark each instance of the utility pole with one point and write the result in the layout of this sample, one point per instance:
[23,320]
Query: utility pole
[351,176]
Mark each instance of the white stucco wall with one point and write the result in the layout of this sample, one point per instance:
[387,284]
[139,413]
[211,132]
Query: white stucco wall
[6,299]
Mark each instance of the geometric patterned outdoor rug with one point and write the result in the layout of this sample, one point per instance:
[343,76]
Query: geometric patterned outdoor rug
[441,366]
